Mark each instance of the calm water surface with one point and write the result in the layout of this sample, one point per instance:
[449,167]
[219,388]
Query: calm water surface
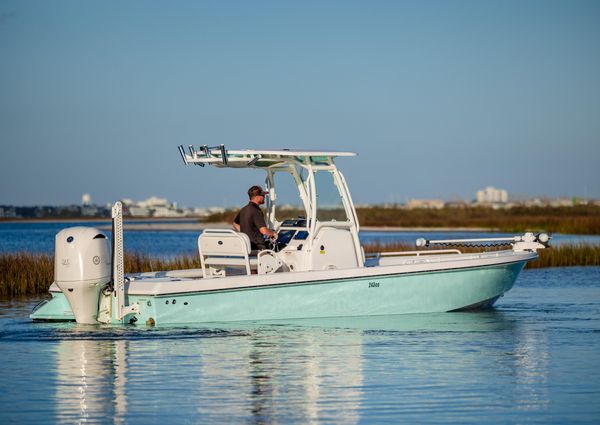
[534,359]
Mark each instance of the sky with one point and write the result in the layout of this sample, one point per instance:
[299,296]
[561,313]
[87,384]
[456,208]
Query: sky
[438,98]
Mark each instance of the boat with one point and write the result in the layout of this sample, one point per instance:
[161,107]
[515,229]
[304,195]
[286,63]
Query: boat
[315,269]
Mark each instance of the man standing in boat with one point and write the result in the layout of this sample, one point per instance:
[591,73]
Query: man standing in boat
[251,221]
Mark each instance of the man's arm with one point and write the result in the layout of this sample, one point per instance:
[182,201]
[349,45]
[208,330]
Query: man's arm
[259,222]
[265,231]
[236,222]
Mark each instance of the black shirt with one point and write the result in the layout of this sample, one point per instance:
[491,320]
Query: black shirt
[251,219]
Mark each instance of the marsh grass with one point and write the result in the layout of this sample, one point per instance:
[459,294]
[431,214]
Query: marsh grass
[32,274]
[25,274]
[581,254]
[139,262]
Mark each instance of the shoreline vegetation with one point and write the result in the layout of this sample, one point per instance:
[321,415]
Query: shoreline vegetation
[576,220]
[26,273]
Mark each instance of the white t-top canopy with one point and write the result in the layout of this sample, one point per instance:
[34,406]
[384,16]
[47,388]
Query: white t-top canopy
[255,158]
[289,152]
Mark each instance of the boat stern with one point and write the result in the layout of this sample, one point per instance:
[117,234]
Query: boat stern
[56,309]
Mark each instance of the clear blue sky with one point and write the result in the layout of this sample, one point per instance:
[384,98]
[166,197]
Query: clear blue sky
[439,98]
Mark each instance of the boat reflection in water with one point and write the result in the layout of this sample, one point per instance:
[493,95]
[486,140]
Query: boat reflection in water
[91,380]
[309,371]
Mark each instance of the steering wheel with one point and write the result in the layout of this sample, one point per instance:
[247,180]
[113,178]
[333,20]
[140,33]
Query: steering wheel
[272,244]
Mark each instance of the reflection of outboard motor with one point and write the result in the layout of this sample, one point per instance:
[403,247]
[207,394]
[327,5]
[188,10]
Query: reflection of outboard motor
[82,267]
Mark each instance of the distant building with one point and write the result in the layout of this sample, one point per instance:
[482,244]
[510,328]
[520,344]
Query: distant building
[157,207]
[166,212]
[433,204]
[456,204]
[216,210]
[136,211]
[491,195]
[200,212]
[86,199]
[8,212]
[561,202]
[534,202]
[154,202]
[90,211]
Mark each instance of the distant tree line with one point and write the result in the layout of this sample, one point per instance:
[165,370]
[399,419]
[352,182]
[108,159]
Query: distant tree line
[67,211]
[579,219]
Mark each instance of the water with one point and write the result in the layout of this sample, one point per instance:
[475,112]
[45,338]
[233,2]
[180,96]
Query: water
[39,237]
[534,359]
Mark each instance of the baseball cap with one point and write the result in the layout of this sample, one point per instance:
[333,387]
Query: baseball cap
[256,191]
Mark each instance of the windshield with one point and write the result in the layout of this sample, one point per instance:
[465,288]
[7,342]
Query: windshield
[288,204]
[330,206]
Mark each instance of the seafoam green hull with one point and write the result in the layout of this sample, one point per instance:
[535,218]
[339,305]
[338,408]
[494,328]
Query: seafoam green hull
[56,309]
[382,295]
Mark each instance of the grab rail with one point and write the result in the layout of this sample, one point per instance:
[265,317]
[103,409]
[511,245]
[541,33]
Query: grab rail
[416,253]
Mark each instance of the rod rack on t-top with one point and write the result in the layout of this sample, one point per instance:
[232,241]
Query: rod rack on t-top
[206,151]
[219,156]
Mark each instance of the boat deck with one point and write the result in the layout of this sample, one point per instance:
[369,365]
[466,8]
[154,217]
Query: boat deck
[164,283]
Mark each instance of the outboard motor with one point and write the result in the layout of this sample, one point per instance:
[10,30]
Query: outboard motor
[82,268]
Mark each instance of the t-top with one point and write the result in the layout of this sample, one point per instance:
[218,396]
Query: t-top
[251,219]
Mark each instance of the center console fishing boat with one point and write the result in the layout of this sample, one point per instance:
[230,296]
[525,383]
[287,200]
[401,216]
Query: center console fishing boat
[316,268]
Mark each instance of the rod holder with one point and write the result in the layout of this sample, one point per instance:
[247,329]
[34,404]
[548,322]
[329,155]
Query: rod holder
[223,154]
[182,152]
[253,161]
[194,154]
